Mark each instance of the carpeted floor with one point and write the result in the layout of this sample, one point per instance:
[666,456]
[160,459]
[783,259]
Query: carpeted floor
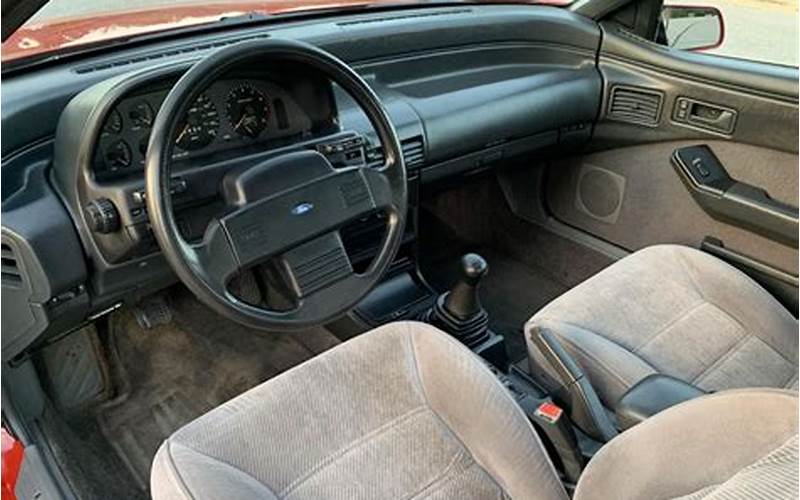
[511,291]
[528,265]
[173,373]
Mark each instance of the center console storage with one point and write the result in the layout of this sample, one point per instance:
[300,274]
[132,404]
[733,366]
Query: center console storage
[401,296]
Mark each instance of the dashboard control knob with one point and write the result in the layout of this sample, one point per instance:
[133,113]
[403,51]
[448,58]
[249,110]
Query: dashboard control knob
[102,216]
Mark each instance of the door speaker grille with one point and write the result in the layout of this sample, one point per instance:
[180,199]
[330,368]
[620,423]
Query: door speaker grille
[599,193]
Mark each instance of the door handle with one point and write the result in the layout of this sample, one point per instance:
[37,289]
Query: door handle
[705,115]
[711,115]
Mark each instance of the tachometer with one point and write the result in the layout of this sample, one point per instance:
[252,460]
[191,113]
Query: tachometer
[200,125]
[247,110]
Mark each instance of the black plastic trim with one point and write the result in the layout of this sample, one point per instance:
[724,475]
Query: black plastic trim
[732,201]
[651,395]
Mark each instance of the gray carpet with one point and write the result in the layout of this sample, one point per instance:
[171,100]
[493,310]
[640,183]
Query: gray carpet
[173,373]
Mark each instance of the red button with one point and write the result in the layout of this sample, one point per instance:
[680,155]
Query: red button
[12,463]
[549,411]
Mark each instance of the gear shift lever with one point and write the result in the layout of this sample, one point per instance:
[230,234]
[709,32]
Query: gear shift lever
[463,302]
[459,311]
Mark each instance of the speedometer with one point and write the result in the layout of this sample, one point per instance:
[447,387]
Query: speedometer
[247,110]
[200,125]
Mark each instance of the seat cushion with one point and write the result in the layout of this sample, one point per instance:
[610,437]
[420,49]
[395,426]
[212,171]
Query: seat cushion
[404,411]
[724,446]
[673,310]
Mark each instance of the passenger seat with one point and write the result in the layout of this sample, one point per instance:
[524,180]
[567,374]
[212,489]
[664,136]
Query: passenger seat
[670,310]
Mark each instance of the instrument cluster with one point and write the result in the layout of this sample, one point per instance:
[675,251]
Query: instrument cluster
[231,114]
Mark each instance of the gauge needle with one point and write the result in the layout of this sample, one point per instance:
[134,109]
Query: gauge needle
[241,120]
[183,132]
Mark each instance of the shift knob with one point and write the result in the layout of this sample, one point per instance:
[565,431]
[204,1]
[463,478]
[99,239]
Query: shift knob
[462,302]
[459,311]
[473,268]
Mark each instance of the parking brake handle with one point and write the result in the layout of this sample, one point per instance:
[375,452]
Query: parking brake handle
[579,396]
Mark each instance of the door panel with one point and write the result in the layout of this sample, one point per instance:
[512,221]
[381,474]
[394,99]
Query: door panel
[626,190]
[763,96]
[654,205]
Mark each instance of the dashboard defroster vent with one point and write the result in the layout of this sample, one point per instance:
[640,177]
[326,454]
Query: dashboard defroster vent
[413,154]
[160,54]
[11,272]
[397,17]
[635,105]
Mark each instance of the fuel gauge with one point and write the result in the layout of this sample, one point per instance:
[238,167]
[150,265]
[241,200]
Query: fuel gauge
[118,155]
[141,115]
[113,123]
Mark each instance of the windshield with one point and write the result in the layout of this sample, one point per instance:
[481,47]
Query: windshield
[65,24]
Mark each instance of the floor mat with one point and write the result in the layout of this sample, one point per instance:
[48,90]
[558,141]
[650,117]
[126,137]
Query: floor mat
[173,373]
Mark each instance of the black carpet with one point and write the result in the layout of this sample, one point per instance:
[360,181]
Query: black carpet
[528,265]
[511,292]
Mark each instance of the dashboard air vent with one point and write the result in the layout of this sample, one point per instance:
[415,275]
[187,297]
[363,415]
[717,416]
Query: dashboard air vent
[155,55]
[635,105]
[11,273]
[413,154]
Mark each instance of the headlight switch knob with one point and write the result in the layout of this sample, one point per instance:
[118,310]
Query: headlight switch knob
[102,216]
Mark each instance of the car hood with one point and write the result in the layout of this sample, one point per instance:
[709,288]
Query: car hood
[36,38]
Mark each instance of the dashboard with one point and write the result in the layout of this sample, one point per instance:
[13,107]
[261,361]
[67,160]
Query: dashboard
[234,115]
[467,88]
[240,120]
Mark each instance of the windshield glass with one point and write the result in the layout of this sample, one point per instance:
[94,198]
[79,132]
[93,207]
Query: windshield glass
[64,24]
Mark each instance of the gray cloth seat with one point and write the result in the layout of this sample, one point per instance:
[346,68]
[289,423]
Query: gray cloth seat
[737,444]
[677,311]
[407,412]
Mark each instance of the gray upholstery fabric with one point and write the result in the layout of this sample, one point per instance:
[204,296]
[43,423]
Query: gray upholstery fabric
[407,412]
[773,477]
[404,411]
[734,444]
[674,310]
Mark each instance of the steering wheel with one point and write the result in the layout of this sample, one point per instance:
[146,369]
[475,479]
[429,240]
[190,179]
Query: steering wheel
[291,206]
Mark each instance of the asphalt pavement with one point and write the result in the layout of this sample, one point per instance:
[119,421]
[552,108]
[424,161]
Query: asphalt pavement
[762,30]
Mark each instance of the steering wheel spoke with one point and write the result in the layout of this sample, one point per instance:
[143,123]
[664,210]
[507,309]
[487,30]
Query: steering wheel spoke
[317,264]
[380,187]
[214,257]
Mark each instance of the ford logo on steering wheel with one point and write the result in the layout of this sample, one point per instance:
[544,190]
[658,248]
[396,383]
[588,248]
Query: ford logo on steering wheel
[302,208]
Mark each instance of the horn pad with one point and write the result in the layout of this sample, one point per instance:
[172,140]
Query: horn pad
[248,184]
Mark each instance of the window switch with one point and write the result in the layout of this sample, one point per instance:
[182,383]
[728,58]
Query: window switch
[697,163]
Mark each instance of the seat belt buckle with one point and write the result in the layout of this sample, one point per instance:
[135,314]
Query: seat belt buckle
[549,412]
[557,427]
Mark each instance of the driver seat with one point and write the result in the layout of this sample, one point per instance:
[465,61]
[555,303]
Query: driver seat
[405,411]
